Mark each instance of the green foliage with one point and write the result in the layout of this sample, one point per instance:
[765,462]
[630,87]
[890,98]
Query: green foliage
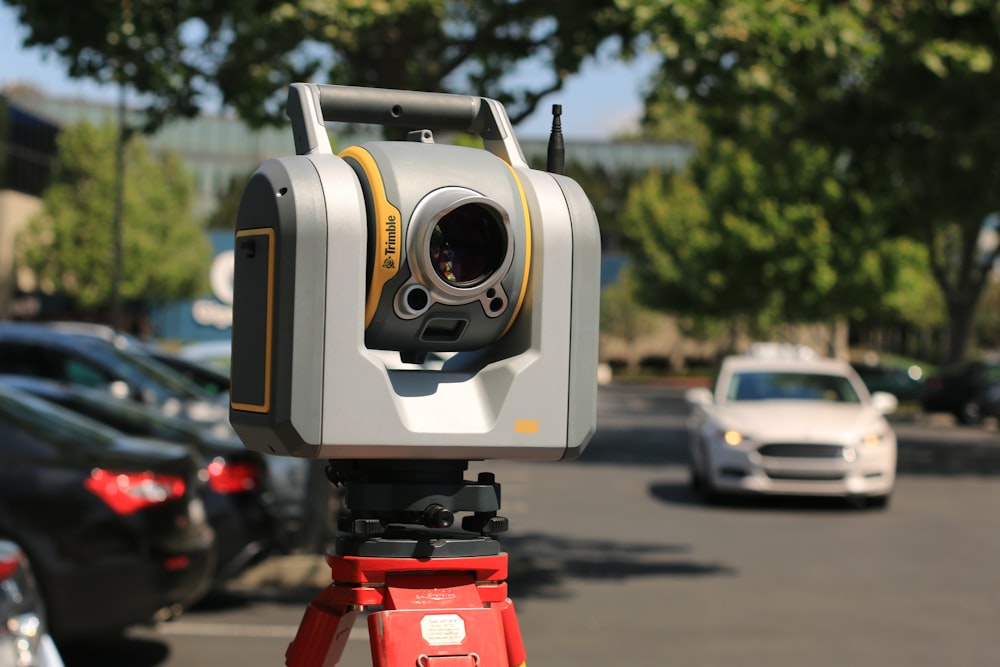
[467,46]
[137,42]
[224,216]
[182,52]
[896,98]
[988,318]
[606,189]
[69,245]
[763,243]
[621,313]
[915,298]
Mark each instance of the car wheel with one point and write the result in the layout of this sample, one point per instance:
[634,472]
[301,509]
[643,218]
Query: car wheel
[708,493]
[969,413]
[701,483]
[694,479]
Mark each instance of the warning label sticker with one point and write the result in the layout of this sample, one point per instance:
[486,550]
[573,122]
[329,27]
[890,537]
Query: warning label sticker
[442,629]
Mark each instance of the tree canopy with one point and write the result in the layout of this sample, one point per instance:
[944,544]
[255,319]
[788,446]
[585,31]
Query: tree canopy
[69,245]
[892,102]
[187,54]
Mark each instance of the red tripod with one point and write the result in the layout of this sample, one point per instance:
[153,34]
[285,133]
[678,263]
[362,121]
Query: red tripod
[447,612]
[443,600]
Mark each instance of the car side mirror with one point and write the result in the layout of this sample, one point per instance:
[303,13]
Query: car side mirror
[699,396]
[884,402]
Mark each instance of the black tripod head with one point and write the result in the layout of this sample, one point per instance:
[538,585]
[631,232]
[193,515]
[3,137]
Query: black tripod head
[403,508]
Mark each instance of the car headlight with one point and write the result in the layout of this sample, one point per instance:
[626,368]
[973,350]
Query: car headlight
[733,438]
[873,438]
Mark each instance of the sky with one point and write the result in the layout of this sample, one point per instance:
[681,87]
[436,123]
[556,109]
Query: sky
[604,99]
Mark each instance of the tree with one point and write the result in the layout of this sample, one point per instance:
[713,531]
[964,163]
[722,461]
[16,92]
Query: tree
[69,245]
[607,189]
[623,316]
[758,243]
[185,54]
[224,216]
[897,94]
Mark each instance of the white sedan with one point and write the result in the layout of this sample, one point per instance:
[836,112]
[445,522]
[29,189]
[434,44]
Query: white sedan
[796,426]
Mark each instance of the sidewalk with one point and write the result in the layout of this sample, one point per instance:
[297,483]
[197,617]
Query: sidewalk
[286,571]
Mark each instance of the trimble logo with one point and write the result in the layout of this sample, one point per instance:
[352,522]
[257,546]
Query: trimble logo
[391,235]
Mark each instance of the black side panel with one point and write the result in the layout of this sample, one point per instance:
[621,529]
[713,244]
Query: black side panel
[253,290]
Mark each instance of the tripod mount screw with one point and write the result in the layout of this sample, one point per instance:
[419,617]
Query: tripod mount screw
[437,516]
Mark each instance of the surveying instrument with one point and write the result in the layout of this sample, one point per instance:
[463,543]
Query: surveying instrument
[400,309]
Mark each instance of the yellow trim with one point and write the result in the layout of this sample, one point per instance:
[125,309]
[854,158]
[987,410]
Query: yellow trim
[388,220]
[525,426]
[266,405]
[527,253]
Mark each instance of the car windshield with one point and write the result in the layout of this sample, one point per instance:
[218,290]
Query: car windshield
[784,385]
[138,365]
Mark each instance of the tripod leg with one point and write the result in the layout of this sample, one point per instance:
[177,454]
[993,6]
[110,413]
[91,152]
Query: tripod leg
[512,634]
[322,634]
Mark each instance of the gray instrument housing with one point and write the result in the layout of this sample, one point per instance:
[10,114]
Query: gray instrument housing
[306,384]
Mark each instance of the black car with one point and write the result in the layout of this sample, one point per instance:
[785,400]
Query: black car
[114,527]
[906,384]
[39,350]
[57,348]
[213,382]
[968,391]
[237,496]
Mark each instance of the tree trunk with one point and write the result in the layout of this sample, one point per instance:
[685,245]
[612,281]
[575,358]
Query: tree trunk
[961,314]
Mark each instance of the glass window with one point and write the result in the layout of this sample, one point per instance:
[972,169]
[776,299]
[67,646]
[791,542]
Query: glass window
[80,372]
[30,360]
[768,385]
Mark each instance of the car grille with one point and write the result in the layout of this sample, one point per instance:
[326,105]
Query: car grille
[797,450]
[812,476]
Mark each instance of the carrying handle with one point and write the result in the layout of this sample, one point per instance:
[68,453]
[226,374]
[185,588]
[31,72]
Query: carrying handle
[310,104]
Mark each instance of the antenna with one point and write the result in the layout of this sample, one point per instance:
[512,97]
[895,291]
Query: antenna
[556,163]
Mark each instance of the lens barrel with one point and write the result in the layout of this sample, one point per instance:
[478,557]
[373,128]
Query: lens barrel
[467,245]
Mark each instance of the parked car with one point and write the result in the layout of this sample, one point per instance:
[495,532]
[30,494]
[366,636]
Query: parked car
[238,500]
[213,354]
[791,424]
[211,380]
[24,636]
[968,391]
[43,351]
[906,384]
[291,493]
[114,527]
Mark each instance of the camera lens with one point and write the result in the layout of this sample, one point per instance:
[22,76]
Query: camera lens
[467,245]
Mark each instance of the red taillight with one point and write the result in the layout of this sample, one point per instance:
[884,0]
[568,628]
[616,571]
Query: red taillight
[233,477]
[8,565]
[128,492]
[175,563]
